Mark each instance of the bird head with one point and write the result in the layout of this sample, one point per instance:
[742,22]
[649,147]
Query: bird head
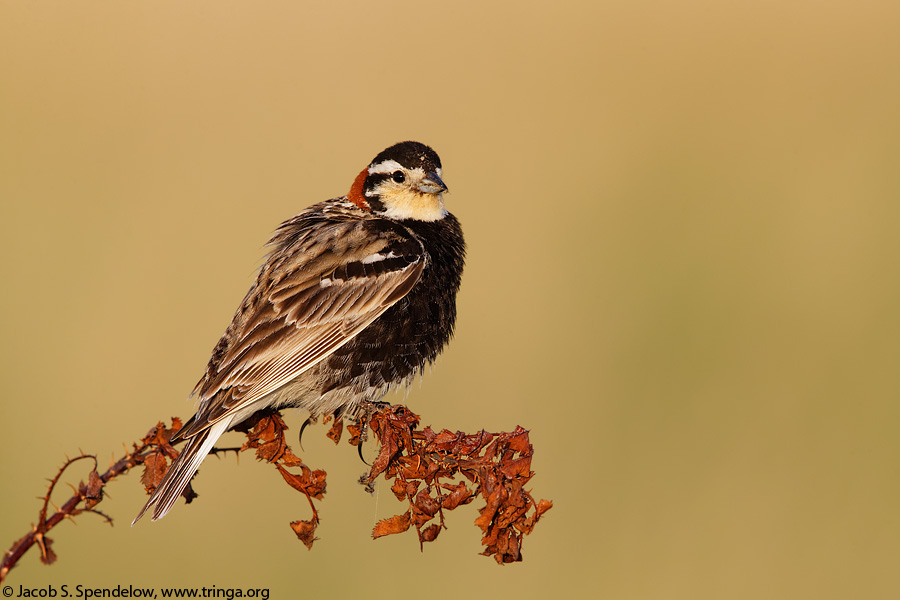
[402,182]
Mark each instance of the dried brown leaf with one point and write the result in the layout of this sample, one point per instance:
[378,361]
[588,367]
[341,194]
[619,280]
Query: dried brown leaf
[489,510]
[411,488]
[527,525]
[430,533]
[426,504]
[389,449]
[399,489]
[267,436]
[306,532]
[155,466]
[472,444]
[289,459]
[395,524]
[311,483]
[355,431]
[334,434]
[518,441]
[160,435]
[518,467]
[459,494]
[93,491]
[542,507]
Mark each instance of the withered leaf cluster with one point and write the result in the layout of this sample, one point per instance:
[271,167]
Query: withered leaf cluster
[432,472]
[425,465]
[266,434]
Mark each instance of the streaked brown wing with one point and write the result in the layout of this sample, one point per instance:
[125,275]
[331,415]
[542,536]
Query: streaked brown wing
[311,297]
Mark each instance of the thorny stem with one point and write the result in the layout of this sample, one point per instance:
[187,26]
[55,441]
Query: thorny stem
[38,532]
[43,514]
[70,508]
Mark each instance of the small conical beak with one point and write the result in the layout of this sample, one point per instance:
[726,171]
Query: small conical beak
[432,184]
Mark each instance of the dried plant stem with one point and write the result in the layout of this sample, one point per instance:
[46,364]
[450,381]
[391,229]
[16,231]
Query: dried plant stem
[89,493]
[432,472]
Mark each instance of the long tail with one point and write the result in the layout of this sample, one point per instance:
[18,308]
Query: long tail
[181,471]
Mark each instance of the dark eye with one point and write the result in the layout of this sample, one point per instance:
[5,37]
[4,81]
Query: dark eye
[398,176]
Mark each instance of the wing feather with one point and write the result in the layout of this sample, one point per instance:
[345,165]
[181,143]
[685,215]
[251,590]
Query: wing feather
[319,288]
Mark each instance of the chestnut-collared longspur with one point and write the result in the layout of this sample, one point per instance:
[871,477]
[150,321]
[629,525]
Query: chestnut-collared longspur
[356,296]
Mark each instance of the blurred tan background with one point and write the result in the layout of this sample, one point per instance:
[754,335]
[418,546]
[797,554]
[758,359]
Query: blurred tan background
[684,278]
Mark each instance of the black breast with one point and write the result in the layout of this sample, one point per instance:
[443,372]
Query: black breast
[413,331]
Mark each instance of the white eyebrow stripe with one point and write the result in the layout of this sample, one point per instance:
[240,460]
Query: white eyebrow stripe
[388,166]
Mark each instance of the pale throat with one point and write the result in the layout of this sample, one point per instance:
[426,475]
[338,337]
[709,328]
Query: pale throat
[410,204]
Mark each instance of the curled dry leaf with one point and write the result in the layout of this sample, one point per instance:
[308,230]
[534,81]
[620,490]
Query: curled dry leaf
[306,531]
[156,459]
[459,494]
[334,434]
[266,435]
[307,481]
[155,466]
[93,491]
[430,533]
[395,524]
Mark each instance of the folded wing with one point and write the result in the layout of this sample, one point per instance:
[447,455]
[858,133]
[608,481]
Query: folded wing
[314,294]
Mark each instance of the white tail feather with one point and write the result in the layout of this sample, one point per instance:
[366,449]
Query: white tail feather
[181,471]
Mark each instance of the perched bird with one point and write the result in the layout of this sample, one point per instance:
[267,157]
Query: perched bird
[355,297]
